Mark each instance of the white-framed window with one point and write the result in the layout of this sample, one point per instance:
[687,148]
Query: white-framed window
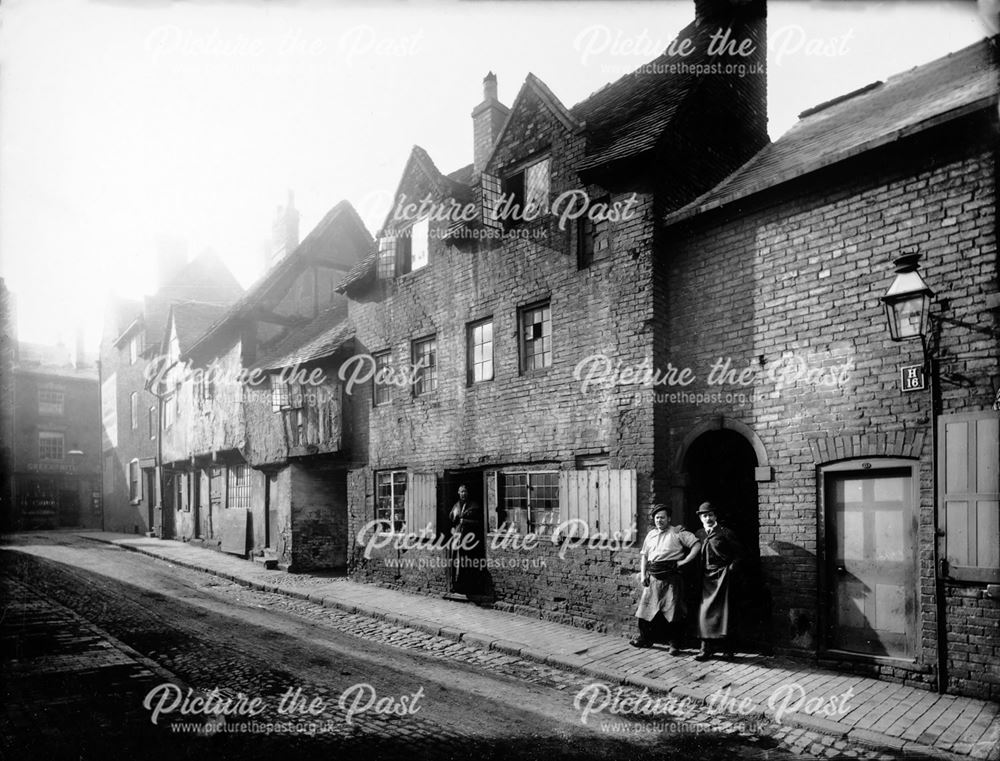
[151,421]
[238,493]
[51,401]
[529,500]
[381,391]
[535,336]
[423,354]
[134,481]
[390,498]
[51,445]
[133,408]
[479,360]
[284,395]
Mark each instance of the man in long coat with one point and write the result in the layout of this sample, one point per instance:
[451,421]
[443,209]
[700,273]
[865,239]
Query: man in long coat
[466,519]
[720,551]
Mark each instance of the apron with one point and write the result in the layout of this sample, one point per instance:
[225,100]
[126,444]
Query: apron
[664,596]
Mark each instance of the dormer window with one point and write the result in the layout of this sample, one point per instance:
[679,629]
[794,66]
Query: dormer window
[404,251]
[526,191]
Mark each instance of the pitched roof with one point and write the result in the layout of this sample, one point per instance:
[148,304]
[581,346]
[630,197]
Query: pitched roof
[320,338]
[359,272]
[205,279]
[343,212]
[193,318]
[628,116]
[927,95]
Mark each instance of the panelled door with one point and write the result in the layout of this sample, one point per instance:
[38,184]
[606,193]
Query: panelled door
[871,532]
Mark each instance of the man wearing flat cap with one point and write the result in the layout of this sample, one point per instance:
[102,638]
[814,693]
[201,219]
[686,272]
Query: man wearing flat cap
[664,552]
[720,551]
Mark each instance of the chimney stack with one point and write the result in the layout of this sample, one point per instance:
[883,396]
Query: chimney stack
[487,120]
[284,231]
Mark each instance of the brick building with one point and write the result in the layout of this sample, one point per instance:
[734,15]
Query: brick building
[253,459]
[498,312]
[133,330]
[55,438]
[745,280]
[8,345]
[873,508]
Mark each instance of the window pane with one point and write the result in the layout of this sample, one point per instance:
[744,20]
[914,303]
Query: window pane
[380,381]
[424,357]
[536,342]
[536,184]
[481,359]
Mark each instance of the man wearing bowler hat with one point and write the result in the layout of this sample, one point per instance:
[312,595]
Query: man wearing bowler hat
[664,552]
[720,551]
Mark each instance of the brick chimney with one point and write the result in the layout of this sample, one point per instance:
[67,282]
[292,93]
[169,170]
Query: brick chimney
[487,120]
[284,231]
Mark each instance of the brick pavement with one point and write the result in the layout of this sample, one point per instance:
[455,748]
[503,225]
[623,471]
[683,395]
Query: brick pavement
[915,721]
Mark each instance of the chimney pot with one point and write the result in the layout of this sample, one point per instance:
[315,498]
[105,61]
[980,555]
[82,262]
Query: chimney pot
[490,87]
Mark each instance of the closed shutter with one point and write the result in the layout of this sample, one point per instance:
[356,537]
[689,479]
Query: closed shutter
[604,499]
[491,191]
[421,504]
[969,494]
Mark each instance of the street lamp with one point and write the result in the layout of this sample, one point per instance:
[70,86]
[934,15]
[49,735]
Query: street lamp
[907,302]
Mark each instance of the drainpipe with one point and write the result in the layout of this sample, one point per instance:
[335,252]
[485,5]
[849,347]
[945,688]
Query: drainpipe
[940,564]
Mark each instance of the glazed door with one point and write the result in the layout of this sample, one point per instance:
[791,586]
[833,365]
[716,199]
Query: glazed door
[872,562]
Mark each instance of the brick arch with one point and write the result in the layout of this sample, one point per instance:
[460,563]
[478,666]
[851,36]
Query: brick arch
[828,449]
[718,424]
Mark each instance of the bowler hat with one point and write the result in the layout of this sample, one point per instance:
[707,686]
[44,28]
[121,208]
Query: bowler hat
[705,507]
[659,507]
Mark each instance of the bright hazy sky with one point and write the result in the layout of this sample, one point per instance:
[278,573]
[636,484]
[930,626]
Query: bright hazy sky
[121,121]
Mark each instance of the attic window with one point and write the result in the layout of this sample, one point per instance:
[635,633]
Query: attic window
[528,191]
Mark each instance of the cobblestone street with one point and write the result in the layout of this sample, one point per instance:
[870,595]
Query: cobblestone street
[202,632]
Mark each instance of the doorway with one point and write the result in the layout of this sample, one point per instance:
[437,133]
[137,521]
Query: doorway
[719,466]
[871,564]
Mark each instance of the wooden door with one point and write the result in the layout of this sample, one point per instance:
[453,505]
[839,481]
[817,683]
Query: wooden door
[872,562]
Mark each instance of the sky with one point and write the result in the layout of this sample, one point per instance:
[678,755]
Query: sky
[122,122]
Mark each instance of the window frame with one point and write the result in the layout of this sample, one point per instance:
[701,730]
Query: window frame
[514,186]
[470,347]
[381,389]
[52,436]
[397,502]
[52,407]
[133,410]
[238,487]
[524,524]
[425,379]
[522,341]
[151,421]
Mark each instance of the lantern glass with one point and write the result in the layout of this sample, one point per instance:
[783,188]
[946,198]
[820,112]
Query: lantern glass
[911,315]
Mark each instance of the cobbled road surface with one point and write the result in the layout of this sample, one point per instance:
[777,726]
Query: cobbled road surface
[97,638]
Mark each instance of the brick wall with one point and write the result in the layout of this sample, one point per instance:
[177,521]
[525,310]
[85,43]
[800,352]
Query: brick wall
[798,274]
[527,419]
[318,509]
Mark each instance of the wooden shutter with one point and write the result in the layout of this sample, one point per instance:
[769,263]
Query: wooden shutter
[420,503]
[492,192]
[492,499]
[969,494]
[605,499]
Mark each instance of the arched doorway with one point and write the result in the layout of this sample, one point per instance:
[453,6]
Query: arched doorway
[719,467]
